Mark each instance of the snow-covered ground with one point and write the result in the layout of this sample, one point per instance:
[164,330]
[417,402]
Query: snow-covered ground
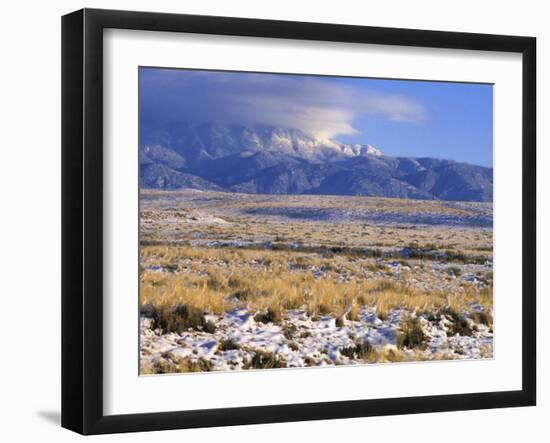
[432,248]
[302,341]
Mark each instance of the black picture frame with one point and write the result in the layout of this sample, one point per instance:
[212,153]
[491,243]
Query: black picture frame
[82,218]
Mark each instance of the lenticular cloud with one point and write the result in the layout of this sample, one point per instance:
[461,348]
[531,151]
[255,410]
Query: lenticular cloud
[321,106]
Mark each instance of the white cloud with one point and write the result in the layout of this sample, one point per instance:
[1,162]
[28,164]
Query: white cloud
[313,104]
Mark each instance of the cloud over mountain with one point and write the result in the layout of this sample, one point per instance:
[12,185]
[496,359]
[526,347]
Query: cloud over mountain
[317,105]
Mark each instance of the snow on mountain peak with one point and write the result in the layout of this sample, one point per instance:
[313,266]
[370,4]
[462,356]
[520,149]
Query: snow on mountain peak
[358,150]
[373,151]
[213,141]
[311,147]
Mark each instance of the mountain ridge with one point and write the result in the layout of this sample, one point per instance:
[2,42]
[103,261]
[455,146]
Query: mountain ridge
[275,160]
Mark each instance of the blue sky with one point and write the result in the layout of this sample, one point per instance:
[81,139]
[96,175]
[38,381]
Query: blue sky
[400,117]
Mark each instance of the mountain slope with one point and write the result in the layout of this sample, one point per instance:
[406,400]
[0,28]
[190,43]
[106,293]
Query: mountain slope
[272,160]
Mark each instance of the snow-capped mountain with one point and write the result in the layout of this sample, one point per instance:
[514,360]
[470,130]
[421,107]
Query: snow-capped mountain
[274,160]
[210,141]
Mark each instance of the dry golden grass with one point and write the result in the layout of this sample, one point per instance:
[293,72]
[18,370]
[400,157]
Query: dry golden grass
[296,274]
[391,354]
[218,280]
[168,366]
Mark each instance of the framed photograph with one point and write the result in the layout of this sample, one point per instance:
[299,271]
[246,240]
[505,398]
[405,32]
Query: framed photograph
[269,221]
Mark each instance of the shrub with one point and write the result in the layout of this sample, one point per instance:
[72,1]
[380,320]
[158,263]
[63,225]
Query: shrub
[362,349]
[189,365]
[243,294]
[166,366]
[459,324]
[209,327]
[148,310]
[171,267]
[178,318]
[160,366]
[393,356]
[228,345]
[482,317]
[270,316]
[411,335]
[265,360]
[293,345]
[289,330]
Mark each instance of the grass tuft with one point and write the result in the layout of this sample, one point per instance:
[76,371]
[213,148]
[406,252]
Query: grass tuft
[228,345]
[270,316]
[362,349]
[459,324]
[178,318]
[411,335]
[264,360]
